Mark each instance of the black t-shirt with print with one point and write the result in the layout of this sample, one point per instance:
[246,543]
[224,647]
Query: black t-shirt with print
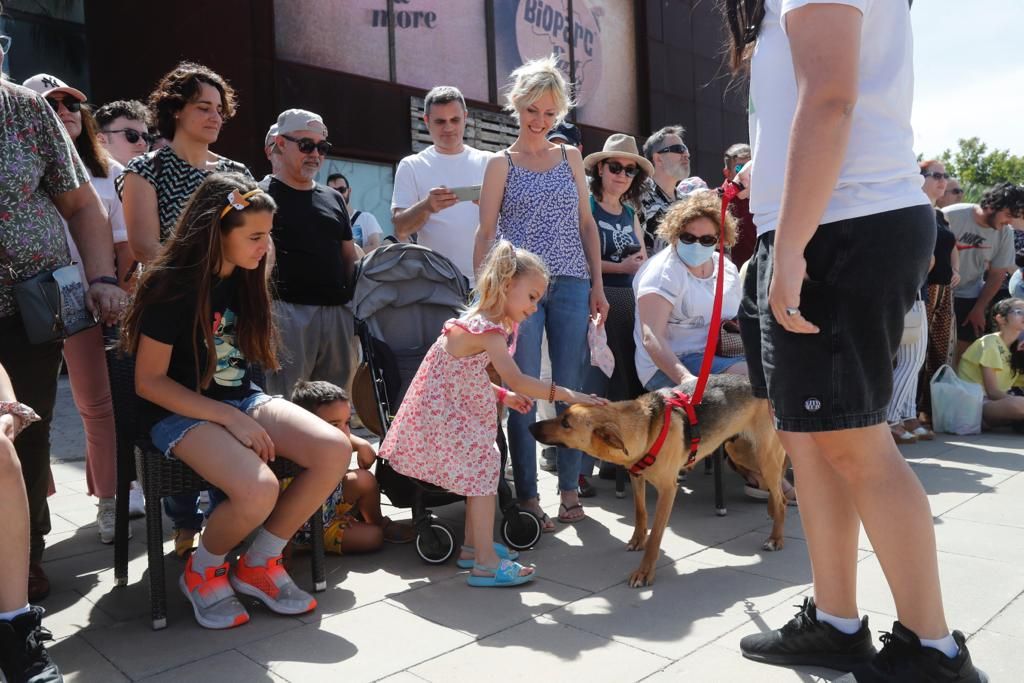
[309,228]
[615,233]
[171,323]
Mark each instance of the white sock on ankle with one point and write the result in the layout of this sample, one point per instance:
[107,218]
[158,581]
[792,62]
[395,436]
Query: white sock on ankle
[203,559]
[265,546]
[847,626]
[9,616]
[946,646]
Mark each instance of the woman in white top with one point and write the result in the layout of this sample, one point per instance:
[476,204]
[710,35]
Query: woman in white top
[845,239]
[675,293]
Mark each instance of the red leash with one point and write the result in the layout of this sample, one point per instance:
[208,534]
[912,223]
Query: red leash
[677,398]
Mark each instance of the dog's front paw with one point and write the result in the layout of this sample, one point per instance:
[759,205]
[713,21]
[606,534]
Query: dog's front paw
[773,544]
[637,542]
[643,576]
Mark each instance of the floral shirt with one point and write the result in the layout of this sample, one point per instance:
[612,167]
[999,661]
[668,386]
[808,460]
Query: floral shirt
[653,205]
[38,162]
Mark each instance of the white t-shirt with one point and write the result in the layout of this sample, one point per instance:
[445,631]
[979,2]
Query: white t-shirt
[365,226]
[980,248]
[880,171]
[115,211]
[450,232]
[692,300]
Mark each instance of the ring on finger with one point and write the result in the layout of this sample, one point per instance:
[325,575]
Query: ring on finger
[792,311]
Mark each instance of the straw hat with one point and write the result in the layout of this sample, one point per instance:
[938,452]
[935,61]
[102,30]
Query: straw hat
[619,146]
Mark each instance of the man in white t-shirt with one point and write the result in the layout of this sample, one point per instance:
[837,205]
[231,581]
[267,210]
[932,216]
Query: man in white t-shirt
[423,203]
[366,230]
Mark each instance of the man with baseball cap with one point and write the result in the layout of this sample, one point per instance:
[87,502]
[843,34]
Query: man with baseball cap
[566,133]
[315,257]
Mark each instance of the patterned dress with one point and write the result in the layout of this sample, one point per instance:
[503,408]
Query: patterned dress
[444,430]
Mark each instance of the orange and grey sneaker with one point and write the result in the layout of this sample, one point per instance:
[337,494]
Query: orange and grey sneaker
[271,585]
[214,603]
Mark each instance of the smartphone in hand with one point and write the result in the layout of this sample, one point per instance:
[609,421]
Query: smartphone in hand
[469,193]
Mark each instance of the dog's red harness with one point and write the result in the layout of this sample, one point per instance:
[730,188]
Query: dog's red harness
[677,398]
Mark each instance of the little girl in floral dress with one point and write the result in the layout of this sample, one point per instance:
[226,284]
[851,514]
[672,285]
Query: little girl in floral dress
[444,430]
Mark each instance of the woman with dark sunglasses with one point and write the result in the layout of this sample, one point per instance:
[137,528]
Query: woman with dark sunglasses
[84,352]
[190,105]
[845,235]
[675,293]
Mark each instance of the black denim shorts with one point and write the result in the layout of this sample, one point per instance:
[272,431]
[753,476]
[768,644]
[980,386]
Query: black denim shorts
[961,309]
[863,275]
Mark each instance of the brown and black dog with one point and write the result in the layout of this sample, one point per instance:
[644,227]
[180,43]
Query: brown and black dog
[623,432]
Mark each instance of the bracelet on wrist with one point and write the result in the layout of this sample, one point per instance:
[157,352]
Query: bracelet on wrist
[551,394]
[26,414]
[104,279]
[502,393]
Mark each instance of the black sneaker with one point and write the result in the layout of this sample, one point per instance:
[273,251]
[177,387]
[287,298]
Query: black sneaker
[22,655]
[905,660]
[805,640]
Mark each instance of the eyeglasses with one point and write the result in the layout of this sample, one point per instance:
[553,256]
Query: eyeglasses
[1015,311]
[676,149]
[70,103]
[937,176]
[343,189]
[955,190]
[705,240]
[617,168]
[5,43]
[133,136]
[306,145]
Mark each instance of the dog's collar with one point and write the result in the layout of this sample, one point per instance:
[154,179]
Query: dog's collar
[676,399]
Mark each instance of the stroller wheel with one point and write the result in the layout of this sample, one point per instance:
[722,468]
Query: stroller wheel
[437,545]
[521,529]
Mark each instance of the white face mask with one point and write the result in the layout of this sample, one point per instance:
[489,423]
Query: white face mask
[694,254]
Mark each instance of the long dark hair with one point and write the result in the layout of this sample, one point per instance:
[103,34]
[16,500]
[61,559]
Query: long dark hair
[632,194]
[743,19]
[187,263]
[93,155]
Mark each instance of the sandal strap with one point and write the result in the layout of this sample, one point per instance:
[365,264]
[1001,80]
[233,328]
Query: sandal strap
[507,571]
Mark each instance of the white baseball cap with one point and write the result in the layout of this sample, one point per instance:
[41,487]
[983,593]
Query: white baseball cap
[45,85]
[292,120]
[271,134]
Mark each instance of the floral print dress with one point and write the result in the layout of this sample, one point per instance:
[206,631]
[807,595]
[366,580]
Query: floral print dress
[445,428]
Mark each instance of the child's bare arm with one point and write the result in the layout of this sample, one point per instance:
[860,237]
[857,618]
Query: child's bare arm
[363,449]
[525,385]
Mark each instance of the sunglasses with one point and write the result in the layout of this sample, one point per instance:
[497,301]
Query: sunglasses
[306,145]
[5,43]
[937,176]
[955,190]
[705,240]
[343,189]
[133,136]
[676,149]
[70,103]
[617,168]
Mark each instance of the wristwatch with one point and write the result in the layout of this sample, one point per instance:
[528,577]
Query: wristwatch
[104,279]
[27,415]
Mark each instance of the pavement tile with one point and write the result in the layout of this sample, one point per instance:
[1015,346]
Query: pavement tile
[981,539]
[714,663]
[1007,508]
[68,613]
[363,644]
[402,677]
[79,662]
[542,649]
[974,590]
[690,605]
[225,667]
[998,655]
[1009,622]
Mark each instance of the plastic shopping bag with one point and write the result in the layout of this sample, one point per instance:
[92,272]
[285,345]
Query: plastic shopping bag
[600,355]
[956,404]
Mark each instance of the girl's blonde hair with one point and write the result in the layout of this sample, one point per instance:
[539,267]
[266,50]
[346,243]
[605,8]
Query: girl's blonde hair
[534,78]
[504,263]
[704,204]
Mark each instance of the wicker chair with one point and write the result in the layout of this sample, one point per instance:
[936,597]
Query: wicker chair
[161,477]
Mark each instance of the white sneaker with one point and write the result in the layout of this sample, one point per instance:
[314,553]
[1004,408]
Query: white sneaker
[136,502]
[105,516]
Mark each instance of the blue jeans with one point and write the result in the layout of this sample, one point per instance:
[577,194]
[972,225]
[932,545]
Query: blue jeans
[563,312]
[692,362]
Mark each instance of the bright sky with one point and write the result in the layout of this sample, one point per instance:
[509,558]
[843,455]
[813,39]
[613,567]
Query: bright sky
[969,74]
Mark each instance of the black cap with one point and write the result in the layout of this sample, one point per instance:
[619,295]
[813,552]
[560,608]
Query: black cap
[569,132]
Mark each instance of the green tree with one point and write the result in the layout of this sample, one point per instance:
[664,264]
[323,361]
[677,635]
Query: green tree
[978,169]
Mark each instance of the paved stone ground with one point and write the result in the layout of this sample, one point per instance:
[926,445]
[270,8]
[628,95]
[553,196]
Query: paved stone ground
[388,616]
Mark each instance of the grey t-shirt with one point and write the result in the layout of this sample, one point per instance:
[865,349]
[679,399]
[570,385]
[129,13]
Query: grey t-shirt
[979,247]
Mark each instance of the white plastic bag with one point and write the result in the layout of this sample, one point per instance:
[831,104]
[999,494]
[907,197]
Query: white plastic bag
[600,355]
[956,404]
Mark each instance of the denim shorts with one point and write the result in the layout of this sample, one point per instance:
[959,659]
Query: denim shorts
[166,433]
[863,275]
[692,362]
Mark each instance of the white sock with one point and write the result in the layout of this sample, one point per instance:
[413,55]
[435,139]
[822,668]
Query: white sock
[9,616]
[265,546]
[946,646]
[203,559]
[847,626]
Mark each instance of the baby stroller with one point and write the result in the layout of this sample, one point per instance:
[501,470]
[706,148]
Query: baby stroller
[403,295]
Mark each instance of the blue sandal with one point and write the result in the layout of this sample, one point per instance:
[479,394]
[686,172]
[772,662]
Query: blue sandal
[504,553]
[507,573]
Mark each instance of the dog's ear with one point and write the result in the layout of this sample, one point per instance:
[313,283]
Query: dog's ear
[609,433]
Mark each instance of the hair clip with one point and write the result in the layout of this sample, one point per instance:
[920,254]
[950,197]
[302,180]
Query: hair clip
[238,201]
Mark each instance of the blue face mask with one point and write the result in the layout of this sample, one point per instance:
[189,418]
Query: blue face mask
[694,254]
